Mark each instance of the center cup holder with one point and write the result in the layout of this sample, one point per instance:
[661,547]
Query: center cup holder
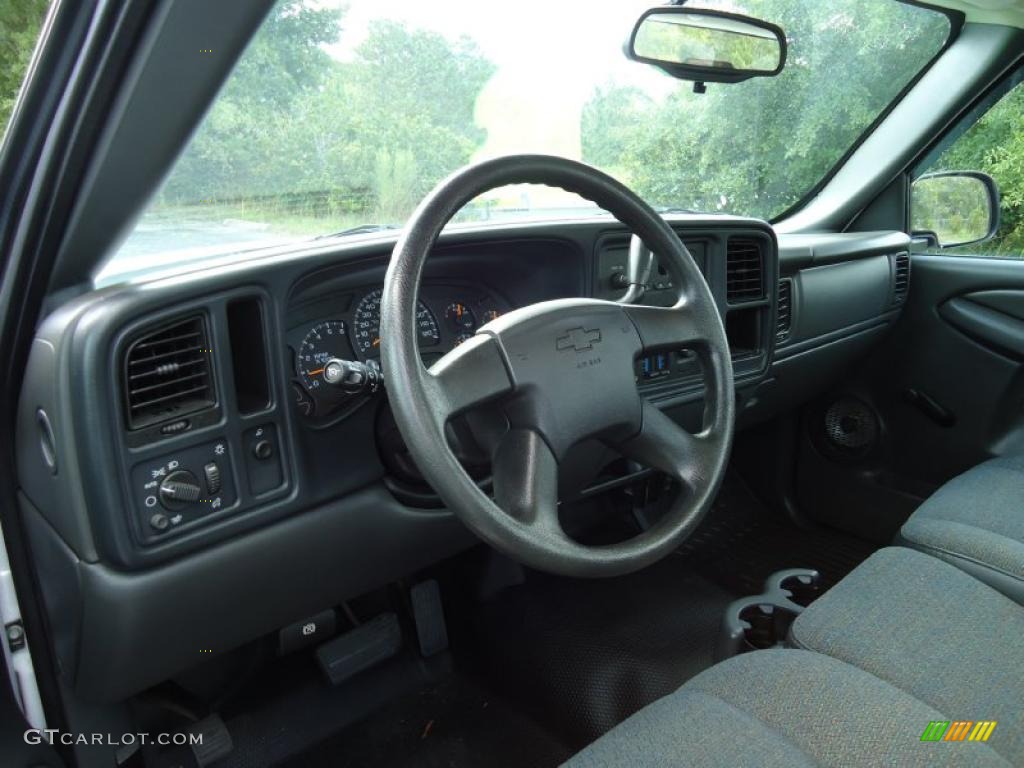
[763,621]
[803,586]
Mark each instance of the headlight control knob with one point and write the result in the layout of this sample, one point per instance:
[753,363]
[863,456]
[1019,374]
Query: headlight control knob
[179,489]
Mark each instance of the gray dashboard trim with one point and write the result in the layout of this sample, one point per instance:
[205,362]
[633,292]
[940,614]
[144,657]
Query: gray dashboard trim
[800,251]
[810,345]
[163,620]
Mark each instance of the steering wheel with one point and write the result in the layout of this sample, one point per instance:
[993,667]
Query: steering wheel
[562,371]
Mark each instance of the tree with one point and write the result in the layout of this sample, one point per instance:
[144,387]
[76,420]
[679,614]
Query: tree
[284,62]
[20,22]
[995,145]
[758,147]
[325,138]
[414,92]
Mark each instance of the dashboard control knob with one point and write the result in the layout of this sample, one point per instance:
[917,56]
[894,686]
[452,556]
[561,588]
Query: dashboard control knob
[263,450]
[352,377]
[159,522]
[178,489]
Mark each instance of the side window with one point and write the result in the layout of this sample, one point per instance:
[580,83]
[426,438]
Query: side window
[968,199]
[20,23]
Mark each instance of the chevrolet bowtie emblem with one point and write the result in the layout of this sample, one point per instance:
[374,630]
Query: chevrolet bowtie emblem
[578,339]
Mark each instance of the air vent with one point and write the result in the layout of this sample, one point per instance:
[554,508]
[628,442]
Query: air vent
[901,277]
[744,271]
[784,317]
[167,374]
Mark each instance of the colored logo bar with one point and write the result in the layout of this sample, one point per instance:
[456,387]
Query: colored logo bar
[958,730]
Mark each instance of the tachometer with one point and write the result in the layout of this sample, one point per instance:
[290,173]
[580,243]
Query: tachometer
[323,342]
[366,325]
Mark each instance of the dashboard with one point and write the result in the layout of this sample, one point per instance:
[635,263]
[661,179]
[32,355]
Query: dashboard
[188,481]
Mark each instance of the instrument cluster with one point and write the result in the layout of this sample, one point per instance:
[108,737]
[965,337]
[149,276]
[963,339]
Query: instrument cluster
[447,315]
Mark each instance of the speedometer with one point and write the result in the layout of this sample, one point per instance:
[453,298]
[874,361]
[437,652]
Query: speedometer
[366,325]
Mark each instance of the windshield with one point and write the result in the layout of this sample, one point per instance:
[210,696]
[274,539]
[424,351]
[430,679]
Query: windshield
[342,115]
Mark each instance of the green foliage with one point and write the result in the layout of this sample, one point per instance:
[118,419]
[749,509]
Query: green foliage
[995,145]
[955,208]
[364,138]
[759,146]
[307,139]
[411,92]
[253,116]
[394,182]
[20,22]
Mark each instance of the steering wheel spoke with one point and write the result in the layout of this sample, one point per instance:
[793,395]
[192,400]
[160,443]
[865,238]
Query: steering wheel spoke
[472,373]
[665,445]
[668,327]
[526,481]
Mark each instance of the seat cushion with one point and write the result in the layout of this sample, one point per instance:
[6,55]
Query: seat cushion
[782,708]
[976,521]
[932,631]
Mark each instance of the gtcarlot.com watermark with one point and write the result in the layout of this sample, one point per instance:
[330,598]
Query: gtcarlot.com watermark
[53,736]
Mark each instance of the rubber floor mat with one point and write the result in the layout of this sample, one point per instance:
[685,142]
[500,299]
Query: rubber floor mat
[740,544]
[455,724]
[587,654]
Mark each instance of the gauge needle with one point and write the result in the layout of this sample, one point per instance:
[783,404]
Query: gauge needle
[317,372]
[376,342]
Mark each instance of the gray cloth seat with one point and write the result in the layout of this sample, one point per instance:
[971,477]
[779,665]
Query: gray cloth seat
[904,640]
[932,631]
[784,709]
[976,522]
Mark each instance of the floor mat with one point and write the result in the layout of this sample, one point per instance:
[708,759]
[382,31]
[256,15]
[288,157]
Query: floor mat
[451,725]
[741,543]
[587,654]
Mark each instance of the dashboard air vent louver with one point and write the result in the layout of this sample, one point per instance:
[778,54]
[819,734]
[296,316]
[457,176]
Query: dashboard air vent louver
[901,277]
[784,319]
[167,373]
[744,271]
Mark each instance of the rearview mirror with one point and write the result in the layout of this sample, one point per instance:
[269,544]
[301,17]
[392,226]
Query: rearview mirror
[708,46]
[955,208]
